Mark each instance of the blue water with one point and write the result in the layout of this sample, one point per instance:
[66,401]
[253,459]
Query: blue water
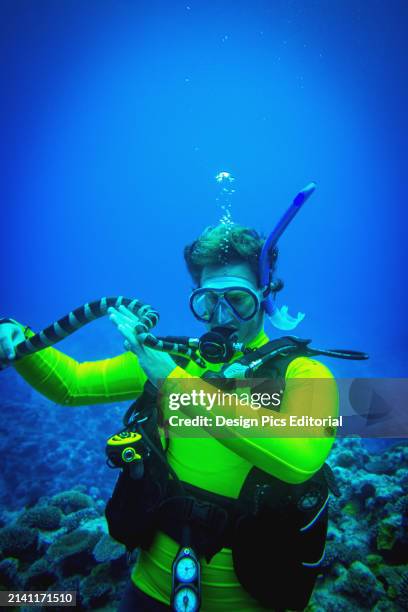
[115,119]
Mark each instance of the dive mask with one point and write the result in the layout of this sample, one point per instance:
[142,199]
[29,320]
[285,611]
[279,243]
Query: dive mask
[243,303]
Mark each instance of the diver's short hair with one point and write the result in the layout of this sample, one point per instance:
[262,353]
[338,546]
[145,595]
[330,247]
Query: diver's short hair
[227,244]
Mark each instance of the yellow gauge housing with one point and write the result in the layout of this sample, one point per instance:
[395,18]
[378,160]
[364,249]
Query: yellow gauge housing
[125,437]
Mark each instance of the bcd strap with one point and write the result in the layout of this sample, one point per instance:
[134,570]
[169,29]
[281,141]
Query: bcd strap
[284,350]
[287,345]
[207,522]
[330,479]
[215,519]
[281,352]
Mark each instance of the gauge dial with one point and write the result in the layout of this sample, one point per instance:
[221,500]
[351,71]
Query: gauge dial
[185,600]
[186,570]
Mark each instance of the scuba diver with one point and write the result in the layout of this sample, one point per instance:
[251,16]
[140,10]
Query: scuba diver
[222,523]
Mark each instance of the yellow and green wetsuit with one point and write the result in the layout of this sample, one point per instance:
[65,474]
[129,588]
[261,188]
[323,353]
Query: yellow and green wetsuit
[216,465]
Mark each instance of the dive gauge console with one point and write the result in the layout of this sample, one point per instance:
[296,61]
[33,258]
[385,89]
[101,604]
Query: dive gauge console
[185,595]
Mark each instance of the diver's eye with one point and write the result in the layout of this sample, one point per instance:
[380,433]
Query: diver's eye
[210,300]
[204,304]
[243,302]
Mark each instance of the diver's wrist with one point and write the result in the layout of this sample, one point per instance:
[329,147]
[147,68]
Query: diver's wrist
[156,365]
[157,375]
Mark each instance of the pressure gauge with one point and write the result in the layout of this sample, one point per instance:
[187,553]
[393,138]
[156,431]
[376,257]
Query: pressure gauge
[186,600]
[186,569]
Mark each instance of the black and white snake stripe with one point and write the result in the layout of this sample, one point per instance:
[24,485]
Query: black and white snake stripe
[74,320]
[83,315]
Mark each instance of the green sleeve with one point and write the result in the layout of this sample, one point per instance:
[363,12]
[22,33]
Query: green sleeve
[68,382]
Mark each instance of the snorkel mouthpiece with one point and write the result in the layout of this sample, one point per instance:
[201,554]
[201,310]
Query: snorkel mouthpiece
[280,318]
[218,345]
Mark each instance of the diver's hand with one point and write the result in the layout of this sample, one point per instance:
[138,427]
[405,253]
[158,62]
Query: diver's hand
[156,365]
[11,334]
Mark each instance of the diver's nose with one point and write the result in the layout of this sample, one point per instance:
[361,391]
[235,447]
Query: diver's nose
[222,315]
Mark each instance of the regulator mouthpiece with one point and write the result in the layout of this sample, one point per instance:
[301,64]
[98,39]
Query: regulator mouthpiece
[218,345]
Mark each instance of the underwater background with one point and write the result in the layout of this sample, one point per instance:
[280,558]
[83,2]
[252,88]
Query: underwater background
[116,116]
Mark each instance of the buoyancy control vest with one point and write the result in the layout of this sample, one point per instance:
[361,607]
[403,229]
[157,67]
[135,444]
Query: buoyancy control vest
[272,528]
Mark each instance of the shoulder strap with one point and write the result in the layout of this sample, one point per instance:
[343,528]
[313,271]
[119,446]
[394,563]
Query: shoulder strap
[281,346]
[277,354]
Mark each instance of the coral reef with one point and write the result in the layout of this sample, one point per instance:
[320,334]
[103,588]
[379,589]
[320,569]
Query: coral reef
[365,564]
[72,553]
[19,542]
[71,501]
[43,517]
[107,549]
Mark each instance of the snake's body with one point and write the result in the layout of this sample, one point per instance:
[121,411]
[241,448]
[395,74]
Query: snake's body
[74,320]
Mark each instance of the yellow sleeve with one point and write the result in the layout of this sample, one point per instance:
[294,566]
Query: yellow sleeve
[293,460]
[66,381]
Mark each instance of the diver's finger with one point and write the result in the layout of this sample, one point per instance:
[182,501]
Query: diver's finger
[131,338]
[114,311]
[134,322]
[123,317]
[145,320]
[119,319]
[114,318]
[127,333]
[129,314]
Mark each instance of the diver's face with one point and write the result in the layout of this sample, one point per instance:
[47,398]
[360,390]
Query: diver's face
[233,275]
